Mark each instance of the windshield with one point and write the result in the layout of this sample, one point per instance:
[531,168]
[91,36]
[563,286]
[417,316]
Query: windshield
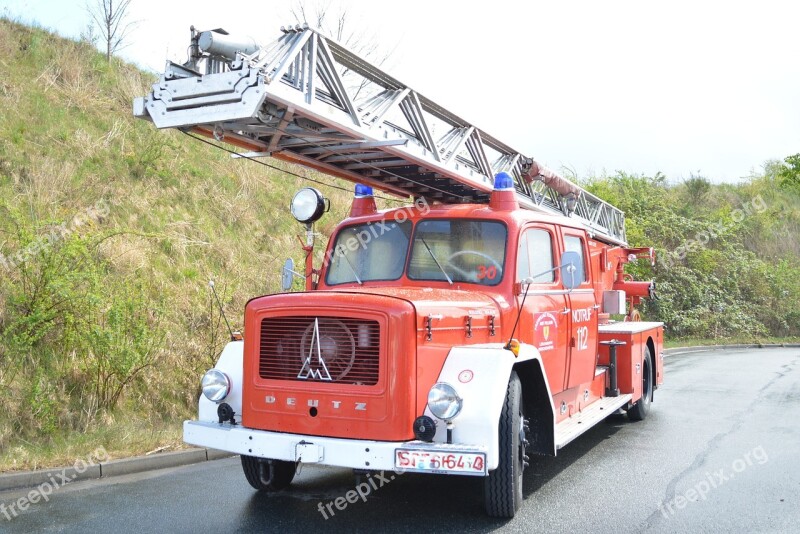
[458,250]
[368,252]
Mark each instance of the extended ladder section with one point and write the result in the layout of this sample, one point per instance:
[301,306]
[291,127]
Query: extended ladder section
[308,100]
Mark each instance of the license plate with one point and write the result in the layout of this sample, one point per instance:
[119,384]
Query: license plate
[465,463]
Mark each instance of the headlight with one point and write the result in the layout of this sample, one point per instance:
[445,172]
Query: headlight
[308,205]
[216,385]
[444,402]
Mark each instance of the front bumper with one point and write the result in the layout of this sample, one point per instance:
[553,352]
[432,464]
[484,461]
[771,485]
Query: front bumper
[352,453]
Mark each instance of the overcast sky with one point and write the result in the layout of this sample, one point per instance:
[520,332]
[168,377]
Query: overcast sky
[685,88]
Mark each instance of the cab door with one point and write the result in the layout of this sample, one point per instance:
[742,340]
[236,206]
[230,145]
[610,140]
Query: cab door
[543,322]
[582,316]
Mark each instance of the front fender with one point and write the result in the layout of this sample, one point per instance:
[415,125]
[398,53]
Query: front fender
[231,363]
[480,374]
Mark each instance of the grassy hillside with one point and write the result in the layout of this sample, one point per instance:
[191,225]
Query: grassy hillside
[110,231]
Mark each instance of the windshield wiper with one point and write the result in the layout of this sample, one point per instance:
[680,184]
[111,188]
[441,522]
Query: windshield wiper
[435,260]
[352,269]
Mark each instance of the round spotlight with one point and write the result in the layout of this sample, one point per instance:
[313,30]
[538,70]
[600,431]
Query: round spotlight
[308,205]
[424,428]
[216,385]
[444,402]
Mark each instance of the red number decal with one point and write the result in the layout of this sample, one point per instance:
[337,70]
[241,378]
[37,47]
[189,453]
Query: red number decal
[487,272]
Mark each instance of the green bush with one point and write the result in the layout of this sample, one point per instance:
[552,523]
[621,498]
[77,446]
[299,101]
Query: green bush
[719,272]
[75,336]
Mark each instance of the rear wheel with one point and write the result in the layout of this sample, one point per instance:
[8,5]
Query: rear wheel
[639,411]
[268,475]
[503,486]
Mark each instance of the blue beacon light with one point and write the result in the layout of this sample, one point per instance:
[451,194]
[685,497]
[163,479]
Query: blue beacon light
[503,182]
[363,191]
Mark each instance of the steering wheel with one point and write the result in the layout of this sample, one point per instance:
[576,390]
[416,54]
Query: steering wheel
[470,275]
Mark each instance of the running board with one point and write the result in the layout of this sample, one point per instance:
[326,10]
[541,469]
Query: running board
[569,429]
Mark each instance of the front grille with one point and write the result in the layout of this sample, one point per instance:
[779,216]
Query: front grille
[320,349]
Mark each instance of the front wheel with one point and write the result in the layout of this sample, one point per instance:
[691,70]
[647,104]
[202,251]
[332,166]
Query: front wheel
[639,411]
[268,475]
[503,486]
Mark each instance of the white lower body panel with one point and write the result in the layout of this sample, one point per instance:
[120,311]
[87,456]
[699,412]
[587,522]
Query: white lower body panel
[352,453]
[572,427]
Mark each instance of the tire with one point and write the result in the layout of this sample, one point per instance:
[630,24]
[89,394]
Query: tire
[639,411]
[503,486]
[277,474]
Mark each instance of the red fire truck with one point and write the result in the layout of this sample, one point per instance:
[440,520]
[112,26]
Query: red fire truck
[458,334]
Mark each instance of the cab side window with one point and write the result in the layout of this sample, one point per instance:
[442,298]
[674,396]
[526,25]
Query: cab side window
[575,244]
[535,256]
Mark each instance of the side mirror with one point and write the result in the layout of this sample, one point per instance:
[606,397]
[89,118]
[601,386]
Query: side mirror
[571,269]
[288,275]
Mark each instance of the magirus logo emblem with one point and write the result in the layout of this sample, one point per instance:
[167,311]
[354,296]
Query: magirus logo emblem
[312,369]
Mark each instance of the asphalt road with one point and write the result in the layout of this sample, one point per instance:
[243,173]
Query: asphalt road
[719,452]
